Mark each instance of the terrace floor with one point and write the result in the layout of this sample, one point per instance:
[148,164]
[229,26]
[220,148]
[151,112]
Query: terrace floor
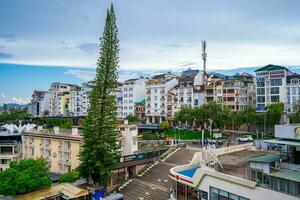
[236,163]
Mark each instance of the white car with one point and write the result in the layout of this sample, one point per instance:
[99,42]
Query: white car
[245,138]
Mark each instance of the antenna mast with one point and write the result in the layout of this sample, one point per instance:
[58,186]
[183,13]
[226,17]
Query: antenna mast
[204,55]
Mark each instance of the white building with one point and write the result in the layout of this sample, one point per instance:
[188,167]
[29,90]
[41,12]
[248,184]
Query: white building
[40,103]
[292,92]
[208,177]
[133,90]
[80,100]
[156,89]
[61,99]
[128,138]
[187,93]
[271,85]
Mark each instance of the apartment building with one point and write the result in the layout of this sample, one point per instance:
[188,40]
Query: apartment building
[128,138]
[156,89]
[39,105]
[214,88]
[271,85]
[187,93]
[238,92]
[133,90]
[59,148]
[119,95]
[79,102]
[61,99]
[140,110]
[172,103]
[292,92]
[10,148]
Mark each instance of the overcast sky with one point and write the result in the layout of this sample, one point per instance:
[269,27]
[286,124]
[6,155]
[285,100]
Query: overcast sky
[154,34]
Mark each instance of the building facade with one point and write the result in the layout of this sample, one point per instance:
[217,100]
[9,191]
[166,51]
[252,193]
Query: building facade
[292,92]
[271,85]
[133,90]
[156,101]
[37,106]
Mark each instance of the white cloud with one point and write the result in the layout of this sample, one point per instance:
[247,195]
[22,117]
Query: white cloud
[20,100]
[82,74]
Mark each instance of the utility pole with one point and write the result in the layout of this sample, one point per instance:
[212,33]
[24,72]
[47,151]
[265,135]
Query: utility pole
[204,55]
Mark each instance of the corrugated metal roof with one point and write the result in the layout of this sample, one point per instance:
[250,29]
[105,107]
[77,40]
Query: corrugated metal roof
[288,175]
[265,158]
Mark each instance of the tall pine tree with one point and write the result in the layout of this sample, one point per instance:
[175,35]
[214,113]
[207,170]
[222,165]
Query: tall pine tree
[100,149]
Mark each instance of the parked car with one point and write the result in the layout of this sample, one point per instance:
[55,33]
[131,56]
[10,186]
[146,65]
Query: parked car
[245,138]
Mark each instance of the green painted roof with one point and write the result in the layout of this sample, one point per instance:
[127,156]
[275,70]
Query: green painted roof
[265,158]
[142,102]
[271,68]
[288,175]
[284,142]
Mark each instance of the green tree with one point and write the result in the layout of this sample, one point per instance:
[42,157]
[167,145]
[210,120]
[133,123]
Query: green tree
[24,176]
[69,177]
[164,125]
[274,114]
[100,149]
[14,115]
[132,118]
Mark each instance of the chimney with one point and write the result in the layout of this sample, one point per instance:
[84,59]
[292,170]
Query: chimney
[125,121]
[74,131]
[56,129]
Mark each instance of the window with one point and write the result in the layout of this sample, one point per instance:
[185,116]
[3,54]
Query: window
[260,99]
[288,91]
[130,89]
[217,194]
[260,84]
[294,90]
[260,91]
[274,98]
[276,82]
[275,90]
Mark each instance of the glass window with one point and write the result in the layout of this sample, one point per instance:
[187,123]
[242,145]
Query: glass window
[260,91]
[260,99]
[276,82]
[275,90]
[260,84]
[294,90]
[274,98]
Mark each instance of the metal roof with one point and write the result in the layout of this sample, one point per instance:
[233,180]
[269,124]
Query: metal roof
[283,142]
[288,175]
[271,67]
[265,158]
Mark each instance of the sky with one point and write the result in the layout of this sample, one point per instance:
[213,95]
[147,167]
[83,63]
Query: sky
[58,40]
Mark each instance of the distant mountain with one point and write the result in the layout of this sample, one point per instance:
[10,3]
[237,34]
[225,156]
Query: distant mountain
[250,70]
[14,106]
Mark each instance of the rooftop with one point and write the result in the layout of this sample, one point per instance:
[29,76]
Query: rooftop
[265,158]
[284,142]
[271,67]
[236,163]
[289,175]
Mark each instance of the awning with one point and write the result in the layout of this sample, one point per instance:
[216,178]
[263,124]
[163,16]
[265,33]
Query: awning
[283,142]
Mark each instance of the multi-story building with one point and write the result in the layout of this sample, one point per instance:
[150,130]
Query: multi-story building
[10,148]
[214,88]
[187,95]
[271,85]
[133,90]
[238,92]
[60,149]
[79,103]
[292,92]
[119,95]
[128,138]
[156,89]
[61,98]
[38,105]
[140,110]
[172,103]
